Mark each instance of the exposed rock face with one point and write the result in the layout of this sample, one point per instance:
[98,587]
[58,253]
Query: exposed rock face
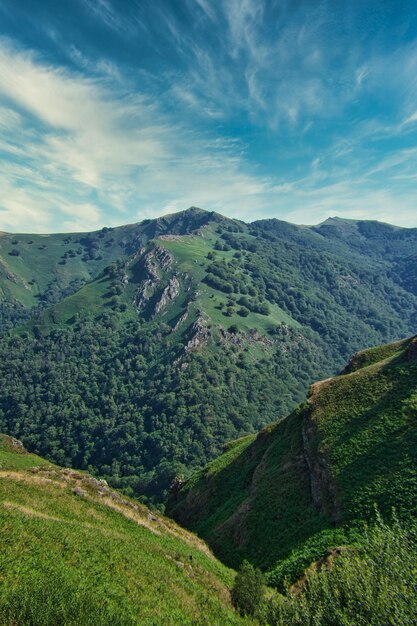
[170,292]
[8,273]
[156,259]
[200,335]
[13,444]
[323,489]
[180,321]
[163,257]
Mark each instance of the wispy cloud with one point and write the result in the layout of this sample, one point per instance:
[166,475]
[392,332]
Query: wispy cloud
[79,141]
[247,107]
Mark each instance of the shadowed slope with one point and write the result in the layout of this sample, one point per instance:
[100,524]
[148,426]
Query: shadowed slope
[300,484]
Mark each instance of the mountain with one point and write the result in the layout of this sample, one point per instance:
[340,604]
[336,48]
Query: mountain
[305,484]
[37,271]
[73,551]
[153,344]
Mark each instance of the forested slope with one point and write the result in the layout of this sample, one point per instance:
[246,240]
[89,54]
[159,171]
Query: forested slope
[305,483]
[194,330]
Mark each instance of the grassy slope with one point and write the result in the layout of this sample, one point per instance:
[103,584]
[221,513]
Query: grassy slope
[41,263]
[59,259]
[367,430]
[190,254]
[255,501]
[70,555]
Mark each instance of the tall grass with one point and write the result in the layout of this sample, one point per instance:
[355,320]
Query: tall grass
[375,585]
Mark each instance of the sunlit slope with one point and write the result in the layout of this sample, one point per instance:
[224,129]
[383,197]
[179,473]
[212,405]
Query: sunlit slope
[187,259]
[75,552]
[303,482]
[202,330]
[40,270]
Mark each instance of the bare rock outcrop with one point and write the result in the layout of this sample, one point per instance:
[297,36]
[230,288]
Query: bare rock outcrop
[180,320]
[199,335]
[170,292]
[153,262]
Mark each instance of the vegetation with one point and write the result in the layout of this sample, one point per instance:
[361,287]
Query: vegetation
[306,483]
[74,552]
[368,586]
[248,590]
[136,352]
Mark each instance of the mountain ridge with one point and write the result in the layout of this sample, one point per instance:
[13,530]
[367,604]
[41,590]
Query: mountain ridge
[304,483]
[181,333]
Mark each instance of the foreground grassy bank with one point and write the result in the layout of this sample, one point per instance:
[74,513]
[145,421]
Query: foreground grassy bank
[74,552]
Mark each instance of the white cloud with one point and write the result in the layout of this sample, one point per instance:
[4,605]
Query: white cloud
[412,118]
[81,149]
[73,146]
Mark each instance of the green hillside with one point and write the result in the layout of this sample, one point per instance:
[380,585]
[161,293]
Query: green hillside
[193,330]
[72,551]
[37,271]
[305,483]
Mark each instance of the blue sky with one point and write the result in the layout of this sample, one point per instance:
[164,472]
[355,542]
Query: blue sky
[113,111]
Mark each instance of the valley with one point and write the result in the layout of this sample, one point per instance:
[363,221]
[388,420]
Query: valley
[137,352]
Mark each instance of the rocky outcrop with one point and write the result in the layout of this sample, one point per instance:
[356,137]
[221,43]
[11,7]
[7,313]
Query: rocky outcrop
[12,444]
[153,262]
[170,292]
[8,273]
[162,257]
[180,320]
[199,335]
[323,489]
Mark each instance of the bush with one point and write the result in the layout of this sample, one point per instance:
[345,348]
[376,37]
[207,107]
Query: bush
[248,590]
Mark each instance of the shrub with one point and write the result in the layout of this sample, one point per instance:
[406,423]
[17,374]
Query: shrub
[248,590]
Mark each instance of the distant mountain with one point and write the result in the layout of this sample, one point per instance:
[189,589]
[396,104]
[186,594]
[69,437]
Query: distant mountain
[37,271]
[73,551]
[304,484]
[136,352]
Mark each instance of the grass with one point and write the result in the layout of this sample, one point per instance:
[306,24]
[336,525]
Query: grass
[191,252]
[369,586]
[190,262]
[74,552]
[15,457]
[255,501]
[367,427]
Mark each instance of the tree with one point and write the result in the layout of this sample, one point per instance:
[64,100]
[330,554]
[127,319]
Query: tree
[248,590]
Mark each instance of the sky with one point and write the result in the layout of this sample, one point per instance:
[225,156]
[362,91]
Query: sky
[113,111]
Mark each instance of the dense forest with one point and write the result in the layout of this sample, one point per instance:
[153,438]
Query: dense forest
[154,344]
[115,400]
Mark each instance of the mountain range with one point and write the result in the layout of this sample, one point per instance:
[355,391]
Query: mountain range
[137,352]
